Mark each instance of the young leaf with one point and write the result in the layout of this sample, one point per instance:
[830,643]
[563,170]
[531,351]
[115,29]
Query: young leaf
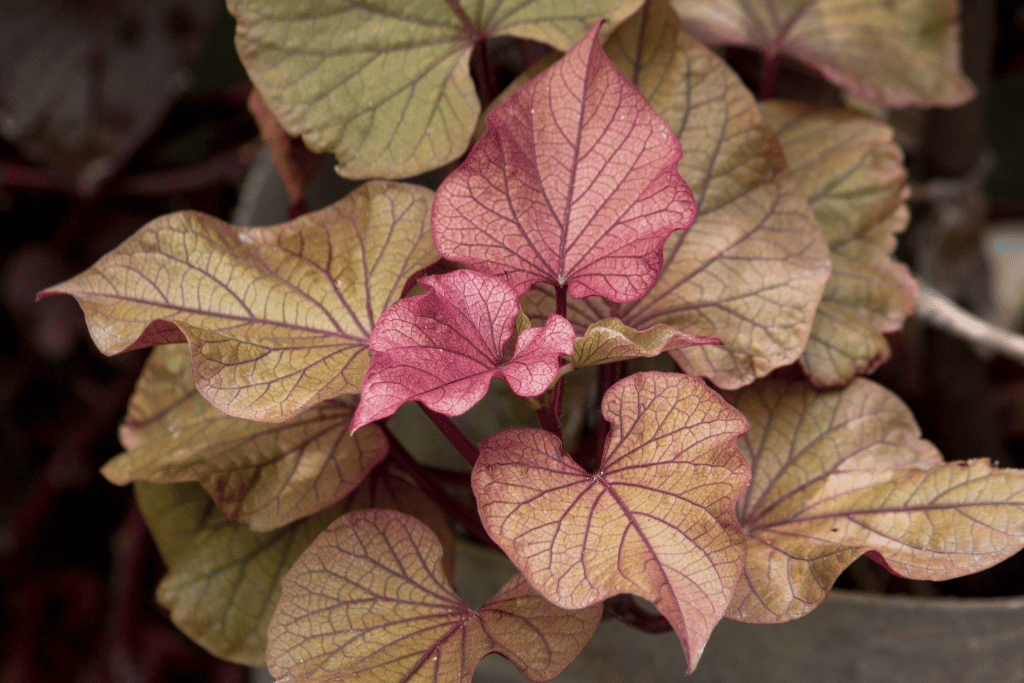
[843,473]
[385,84]
[608,341]
[443,348]
[656,518]
[751,268]
[574,183]
[898,54]
[263,475]
[853,175]
[367,600]
[224,580]
[277,319]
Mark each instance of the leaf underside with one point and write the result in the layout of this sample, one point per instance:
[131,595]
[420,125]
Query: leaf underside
[898,54]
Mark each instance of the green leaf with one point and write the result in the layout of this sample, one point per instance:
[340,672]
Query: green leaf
[277,319]
[609,341]
[852,172]
[843,473]
[385,84]
[223,579]
[752,267]
[263,475]
[368,600]
[656,519]
[899,54]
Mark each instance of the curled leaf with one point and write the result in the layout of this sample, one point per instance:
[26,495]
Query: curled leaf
[843,473]
[385,84]
[899,54]
[752,267]
[444,347]
[609,341]
[277,319]
[656,519]
[224,580]
[574,183]
[852,172]
[263,475]
[368,600]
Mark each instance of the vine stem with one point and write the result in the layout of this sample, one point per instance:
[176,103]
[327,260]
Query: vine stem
[452,433]
[769,75]
[463,514]
[625,609]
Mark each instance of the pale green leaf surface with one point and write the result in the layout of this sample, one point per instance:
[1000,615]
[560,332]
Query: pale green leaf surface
[277,319]
[368,601]
[655,519]
[264,475]
[852,172]
[843,473]
[385,84]
[609,341]
[900,53]
[752,267]
[223,579]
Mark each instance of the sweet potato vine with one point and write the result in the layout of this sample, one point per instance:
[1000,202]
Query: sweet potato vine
[632,199]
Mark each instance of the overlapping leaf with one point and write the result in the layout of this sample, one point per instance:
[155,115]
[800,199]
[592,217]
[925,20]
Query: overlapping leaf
[903,53]
[853,175]
[444,347]
[368,600]
[574,183]
[843,473]
[608,341]
[277,319]
[263,475]
[656,519]
[752,267]
[385,84]
[223,579]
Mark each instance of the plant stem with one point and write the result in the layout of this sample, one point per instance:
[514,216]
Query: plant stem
[561,305]
[625,609]
[463,514]
[769,75]
[452,433]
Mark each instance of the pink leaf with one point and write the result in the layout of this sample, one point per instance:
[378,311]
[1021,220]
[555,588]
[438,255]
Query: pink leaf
[443,348]
[574,183]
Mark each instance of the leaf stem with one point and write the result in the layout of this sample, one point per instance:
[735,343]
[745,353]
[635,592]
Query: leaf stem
[452,433]
[625,609]
[561,304]
[463,514]
[769,75]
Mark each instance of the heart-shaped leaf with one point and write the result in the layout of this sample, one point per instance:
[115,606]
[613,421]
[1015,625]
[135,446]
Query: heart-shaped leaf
[574,183]
[367,600]
[277,319]
[224,580]
[608,341]
[898,54]
[444,347]
[263,475]
[385,84]
[656,519]
[751,268]
[843,473]
[852,172]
